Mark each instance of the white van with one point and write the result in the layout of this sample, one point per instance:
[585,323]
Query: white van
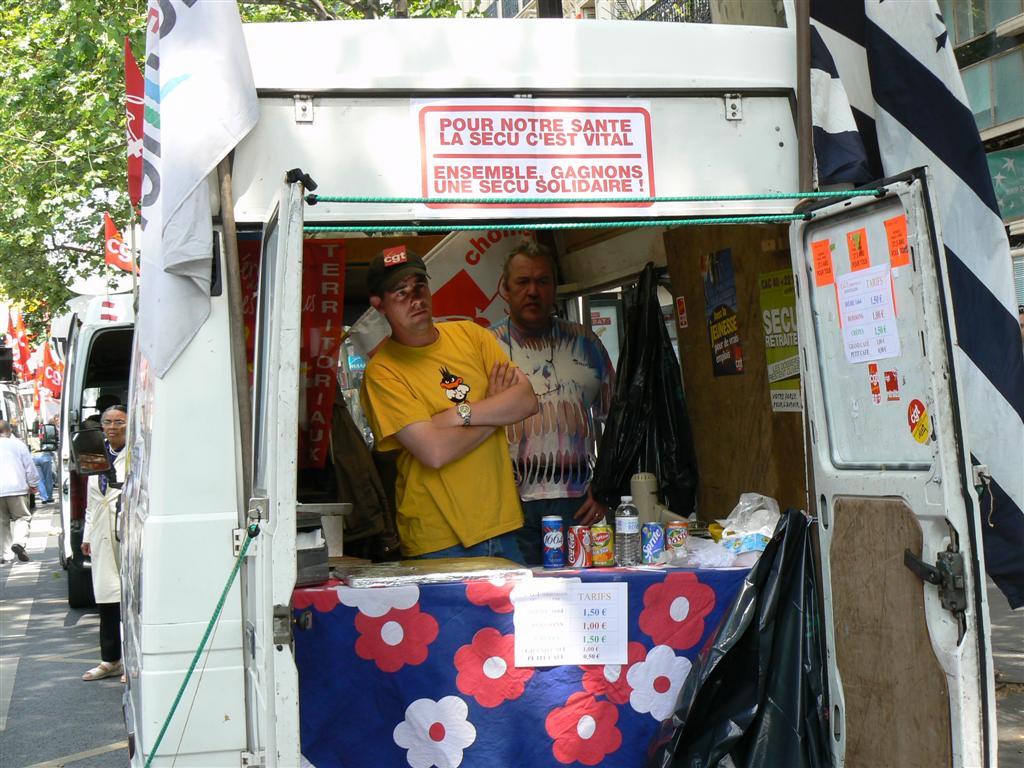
[364,108]
[97,355]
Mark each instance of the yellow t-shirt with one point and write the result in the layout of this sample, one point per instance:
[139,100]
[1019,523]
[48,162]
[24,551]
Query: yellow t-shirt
[470,499]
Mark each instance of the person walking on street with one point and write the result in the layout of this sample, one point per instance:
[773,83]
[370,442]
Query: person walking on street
[18,478]
[99,543]
[553,451]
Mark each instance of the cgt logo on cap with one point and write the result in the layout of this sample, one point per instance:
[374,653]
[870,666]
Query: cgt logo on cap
[394,256]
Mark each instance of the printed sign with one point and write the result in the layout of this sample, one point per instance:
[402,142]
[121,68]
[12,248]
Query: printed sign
[514,148]
[920,424]
[681,312]
[896,237]
[867,315]
[720,312]
[821,252]
[558,621]
[857,243]
[876,386]
[892,386]
[781,350]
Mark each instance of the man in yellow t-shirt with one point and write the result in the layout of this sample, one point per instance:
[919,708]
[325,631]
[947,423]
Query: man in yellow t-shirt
[439,394]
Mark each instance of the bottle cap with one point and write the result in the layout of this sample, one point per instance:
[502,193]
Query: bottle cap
[627,499]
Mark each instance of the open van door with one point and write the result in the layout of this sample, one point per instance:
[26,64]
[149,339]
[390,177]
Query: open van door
[905,607]
[268,574]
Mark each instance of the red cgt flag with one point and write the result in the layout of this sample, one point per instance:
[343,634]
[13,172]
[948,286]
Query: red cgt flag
[134,101]
[20,345]
[51,375]
[116,252]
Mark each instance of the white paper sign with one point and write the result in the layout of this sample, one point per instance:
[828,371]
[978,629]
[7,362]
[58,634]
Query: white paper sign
[558,621]
[867,315]
[509,148]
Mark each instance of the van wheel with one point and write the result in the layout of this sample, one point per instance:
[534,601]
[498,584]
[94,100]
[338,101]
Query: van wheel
[79,586]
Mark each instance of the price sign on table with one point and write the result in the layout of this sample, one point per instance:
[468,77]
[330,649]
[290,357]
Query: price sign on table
[558,621]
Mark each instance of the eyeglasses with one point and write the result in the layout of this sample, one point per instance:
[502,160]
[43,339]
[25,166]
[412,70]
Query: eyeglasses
[548,371]
[108,423]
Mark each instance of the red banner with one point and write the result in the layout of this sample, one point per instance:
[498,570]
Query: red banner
[51,373]
[134,101]
[116,253]
[19,344]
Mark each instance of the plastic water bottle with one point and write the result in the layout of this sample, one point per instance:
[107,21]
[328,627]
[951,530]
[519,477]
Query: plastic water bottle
[627,533]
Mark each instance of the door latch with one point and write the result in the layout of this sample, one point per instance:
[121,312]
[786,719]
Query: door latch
[282,625]
[947,574]
[733,106]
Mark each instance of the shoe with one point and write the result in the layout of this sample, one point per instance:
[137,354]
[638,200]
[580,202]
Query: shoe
[124,679]
[20,552]
[102,670]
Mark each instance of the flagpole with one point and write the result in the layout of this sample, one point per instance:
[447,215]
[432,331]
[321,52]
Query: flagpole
[804,129]
[135,270]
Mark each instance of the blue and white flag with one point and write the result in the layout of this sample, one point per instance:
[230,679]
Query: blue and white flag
[200,101]
[895,62]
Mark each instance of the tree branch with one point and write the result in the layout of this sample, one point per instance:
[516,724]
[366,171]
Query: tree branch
[77,249]
[311,7]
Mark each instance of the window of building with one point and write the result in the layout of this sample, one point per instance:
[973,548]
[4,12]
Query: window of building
[968,19]
[994,88]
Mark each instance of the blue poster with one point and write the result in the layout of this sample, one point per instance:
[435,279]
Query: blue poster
[720,312]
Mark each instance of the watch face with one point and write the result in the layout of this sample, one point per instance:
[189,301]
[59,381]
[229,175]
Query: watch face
[463,409]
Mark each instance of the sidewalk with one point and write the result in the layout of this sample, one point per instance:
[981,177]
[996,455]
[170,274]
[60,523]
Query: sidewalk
[1008,659]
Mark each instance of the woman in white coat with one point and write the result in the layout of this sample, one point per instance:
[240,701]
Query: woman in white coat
[99,542]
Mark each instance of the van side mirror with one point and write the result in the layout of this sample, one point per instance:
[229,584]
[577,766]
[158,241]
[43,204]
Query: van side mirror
[48,437]
[89,451]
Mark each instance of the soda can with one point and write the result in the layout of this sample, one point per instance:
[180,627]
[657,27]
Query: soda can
[652,542]
[578,547]
[602,546]
[676,534]
[551,531]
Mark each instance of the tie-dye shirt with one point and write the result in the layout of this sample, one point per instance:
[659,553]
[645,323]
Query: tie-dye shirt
[553,451]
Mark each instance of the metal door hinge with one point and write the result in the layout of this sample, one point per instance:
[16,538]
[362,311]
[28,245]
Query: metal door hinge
[238,536]
[250,760]
[947,574]
[282,625]
[303,109]
[733,106]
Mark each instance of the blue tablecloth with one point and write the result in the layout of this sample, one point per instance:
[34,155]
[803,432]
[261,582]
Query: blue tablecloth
[424,675]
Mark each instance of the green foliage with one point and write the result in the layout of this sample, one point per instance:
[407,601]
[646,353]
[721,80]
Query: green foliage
[62,129]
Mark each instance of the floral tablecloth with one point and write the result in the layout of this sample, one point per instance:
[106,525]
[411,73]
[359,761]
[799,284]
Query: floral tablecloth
[424,675]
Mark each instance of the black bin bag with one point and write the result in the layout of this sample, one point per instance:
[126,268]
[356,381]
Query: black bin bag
[757,695]
[647,429]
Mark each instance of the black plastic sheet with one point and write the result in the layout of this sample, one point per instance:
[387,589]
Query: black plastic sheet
[648,429]
[757,695]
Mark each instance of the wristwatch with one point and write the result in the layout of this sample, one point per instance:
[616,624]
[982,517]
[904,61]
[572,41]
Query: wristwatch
[465,413]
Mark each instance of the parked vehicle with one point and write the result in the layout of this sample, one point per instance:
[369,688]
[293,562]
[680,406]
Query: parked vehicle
[96,373]
[346,123]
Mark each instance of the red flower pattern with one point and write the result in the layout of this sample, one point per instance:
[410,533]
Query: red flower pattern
[674,610]
[610,679]
[491,593]
[324,599]
[397,638]
[487,670]
[584,730]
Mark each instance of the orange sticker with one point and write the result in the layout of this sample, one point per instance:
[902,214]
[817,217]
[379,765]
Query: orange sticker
[857,243]
[821,252]
[917,418]
[896,235]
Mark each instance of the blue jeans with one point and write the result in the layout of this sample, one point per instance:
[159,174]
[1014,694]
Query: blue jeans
[529,535]
[44,466]
[504,545]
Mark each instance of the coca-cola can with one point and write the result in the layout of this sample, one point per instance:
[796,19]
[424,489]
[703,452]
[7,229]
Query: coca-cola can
[579,547]
[551,531]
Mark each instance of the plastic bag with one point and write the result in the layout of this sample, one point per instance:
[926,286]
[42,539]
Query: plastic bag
[648,429]
[703,553]
[756,697]
[750,525]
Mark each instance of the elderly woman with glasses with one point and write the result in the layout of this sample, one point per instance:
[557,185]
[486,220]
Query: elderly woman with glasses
[99,542]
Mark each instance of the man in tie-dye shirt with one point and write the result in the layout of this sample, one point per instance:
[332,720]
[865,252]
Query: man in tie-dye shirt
[552,451]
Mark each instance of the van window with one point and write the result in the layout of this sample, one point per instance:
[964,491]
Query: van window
[107,371]
[267,290]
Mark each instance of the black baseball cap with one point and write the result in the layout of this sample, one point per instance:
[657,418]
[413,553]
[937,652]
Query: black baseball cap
[390,267]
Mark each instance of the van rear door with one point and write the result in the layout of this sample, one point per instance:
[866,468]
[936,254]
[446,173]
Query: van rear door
[904,593]
[269,569]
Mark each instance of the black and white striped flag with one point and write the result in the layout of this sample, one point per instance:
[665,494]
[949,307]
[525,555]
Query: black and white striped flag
[894,62]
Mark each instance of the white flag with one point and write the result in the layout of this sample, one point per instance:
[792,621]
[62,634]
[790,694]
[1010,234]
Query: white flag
[200,102]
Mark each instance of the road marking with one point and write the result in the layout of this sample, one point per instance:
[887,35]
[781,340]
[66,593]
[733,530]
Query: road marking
[60,762]
[8,669]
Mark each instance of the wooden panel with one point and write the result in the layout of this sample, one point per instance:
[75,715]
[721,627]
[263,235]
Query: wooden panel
[897,703]
[741,444]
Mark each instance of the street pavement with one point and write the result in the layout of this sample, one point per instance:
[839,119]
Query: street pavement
[50,718]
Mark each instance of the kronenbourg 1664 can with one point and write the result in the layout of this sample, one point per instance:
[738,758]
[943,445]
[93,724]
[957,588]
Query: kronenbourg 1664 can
[602,545]
[652,542]
[578,546]
[551,528]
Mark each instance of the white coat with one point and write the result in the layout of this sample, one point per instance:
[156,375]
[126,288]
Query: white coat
[100,519]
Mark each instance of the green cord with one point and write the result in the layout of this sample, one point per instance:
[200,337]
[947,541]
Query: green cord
[313,199]
[766,219]
[253,531]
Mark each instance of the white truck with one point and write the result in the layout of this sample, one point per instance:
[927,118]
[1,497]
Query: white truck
[414,109]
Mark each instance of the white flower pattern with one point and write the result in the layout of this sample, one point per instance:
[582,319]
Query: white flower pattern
[435,733]
[656,682]
[377,601]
